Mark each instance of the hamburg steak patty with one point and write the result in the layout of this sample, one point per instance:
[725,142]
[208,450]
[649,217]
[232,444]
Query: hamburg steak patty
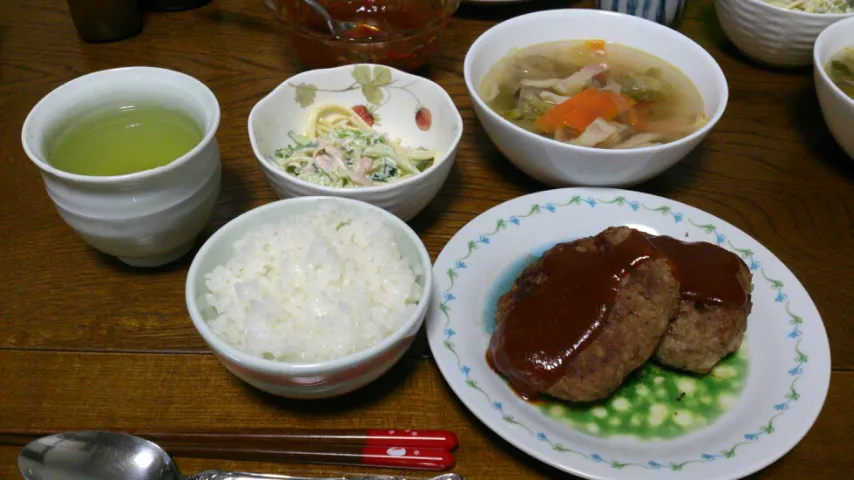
[715,305]
[548,337]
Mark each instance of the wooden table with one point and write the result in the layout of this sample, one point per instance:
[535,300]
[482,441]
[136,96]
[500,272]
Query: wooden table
[87,343]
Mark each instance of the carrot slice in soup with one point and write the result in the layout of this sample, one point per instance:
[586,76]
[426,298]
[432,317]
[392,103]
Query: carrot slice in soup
[581,110]
[595,44]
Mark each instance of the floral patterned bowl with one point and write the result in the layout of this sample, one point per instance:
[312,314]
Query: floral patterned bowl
[411,108]
[413,30]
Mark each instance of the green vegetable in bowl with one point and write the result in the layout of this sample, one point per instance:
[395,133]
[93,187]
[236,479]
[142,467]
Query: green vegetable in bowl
[644,88]
[841,71]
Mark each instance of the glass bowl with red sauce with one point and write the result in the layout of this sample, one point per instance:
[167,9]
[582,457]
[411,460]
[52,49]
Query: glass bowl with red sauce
[399,33]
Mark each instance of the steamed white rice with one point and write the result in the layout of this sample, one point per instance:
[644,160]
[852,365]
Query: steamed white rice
[317,286]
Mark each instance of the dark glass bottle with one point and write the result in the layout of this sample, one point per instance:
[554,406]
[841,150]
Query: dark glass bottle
[105,20]
[172,5]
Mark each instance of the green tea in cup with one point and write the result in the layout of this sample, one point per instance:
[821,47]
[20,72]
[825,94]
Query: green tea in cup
[119,140]
[130,160]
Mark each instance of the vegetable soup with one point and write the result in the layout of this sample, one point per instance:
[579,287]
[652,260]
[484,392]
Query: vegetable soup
[594,94]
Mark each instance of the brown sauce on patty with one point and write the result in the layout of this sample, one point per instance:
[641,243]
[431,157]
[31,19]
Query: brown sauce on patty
[565,313]
[710,274]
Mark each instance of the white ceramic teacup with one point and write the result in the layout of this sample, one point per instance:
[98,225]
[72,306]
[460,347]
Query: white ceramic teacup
[148,218]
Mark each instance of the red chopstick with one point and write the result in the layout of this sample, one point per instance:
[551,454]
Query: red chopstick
[413,458]
[277,437]
[398,448]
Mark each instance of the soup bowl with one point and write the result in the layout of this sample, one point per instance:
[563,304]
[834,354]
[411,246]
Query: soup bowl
[837,108]
[560,164]
[148,218]
[315,379]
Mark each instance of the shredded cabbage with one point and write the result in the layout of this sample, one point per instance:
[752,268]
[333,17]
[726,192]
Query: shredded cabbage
[339,149]
[815,6]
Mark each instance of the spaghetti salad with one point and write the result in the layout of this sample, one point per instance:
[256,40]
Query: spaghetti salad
[339,149]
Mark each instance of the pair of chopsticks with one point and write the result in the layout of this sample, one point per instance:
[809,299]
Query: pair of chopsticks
[392,448]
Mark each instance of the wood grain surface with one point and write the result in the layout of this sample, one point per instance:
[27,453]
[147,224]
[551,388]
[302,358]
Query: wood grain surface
[86,342]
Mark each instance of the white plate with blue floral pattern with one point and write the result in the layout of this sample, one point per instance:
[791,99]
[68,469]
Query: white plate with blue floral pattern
[749,411]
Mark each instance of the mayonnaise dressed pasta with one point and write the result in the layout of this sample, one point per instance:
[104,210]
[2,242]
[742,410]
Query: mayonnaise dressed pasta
[339,149]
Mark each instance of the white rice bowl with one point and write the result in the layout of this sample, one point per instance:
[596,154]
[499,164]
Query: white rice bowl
[315,286]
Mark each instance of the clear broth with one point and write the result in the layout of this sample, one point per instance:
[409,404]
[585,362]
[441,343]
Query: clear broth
[672,110]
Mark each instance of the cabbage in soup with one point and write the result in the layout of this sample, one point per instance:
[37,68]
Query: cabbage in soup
[594,94]
[841,71]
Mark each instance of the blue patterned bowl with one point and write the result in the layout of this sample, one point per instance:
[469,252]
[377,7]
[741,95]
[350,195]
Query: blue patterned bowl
[666,12]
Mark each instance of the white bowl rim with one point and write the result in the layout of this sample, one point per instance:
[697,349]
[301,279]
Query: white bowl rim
[819,42]
[799,13]
[324,190]
[109,179]
[314,368]
[722,84]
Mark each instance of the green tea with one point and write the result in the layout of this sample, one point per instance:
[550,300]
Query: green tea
[122,140]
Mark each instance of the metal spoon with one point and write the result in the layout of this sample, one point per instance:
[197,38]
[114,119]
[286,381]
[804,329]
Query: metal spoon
[92,455]
[338,27]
